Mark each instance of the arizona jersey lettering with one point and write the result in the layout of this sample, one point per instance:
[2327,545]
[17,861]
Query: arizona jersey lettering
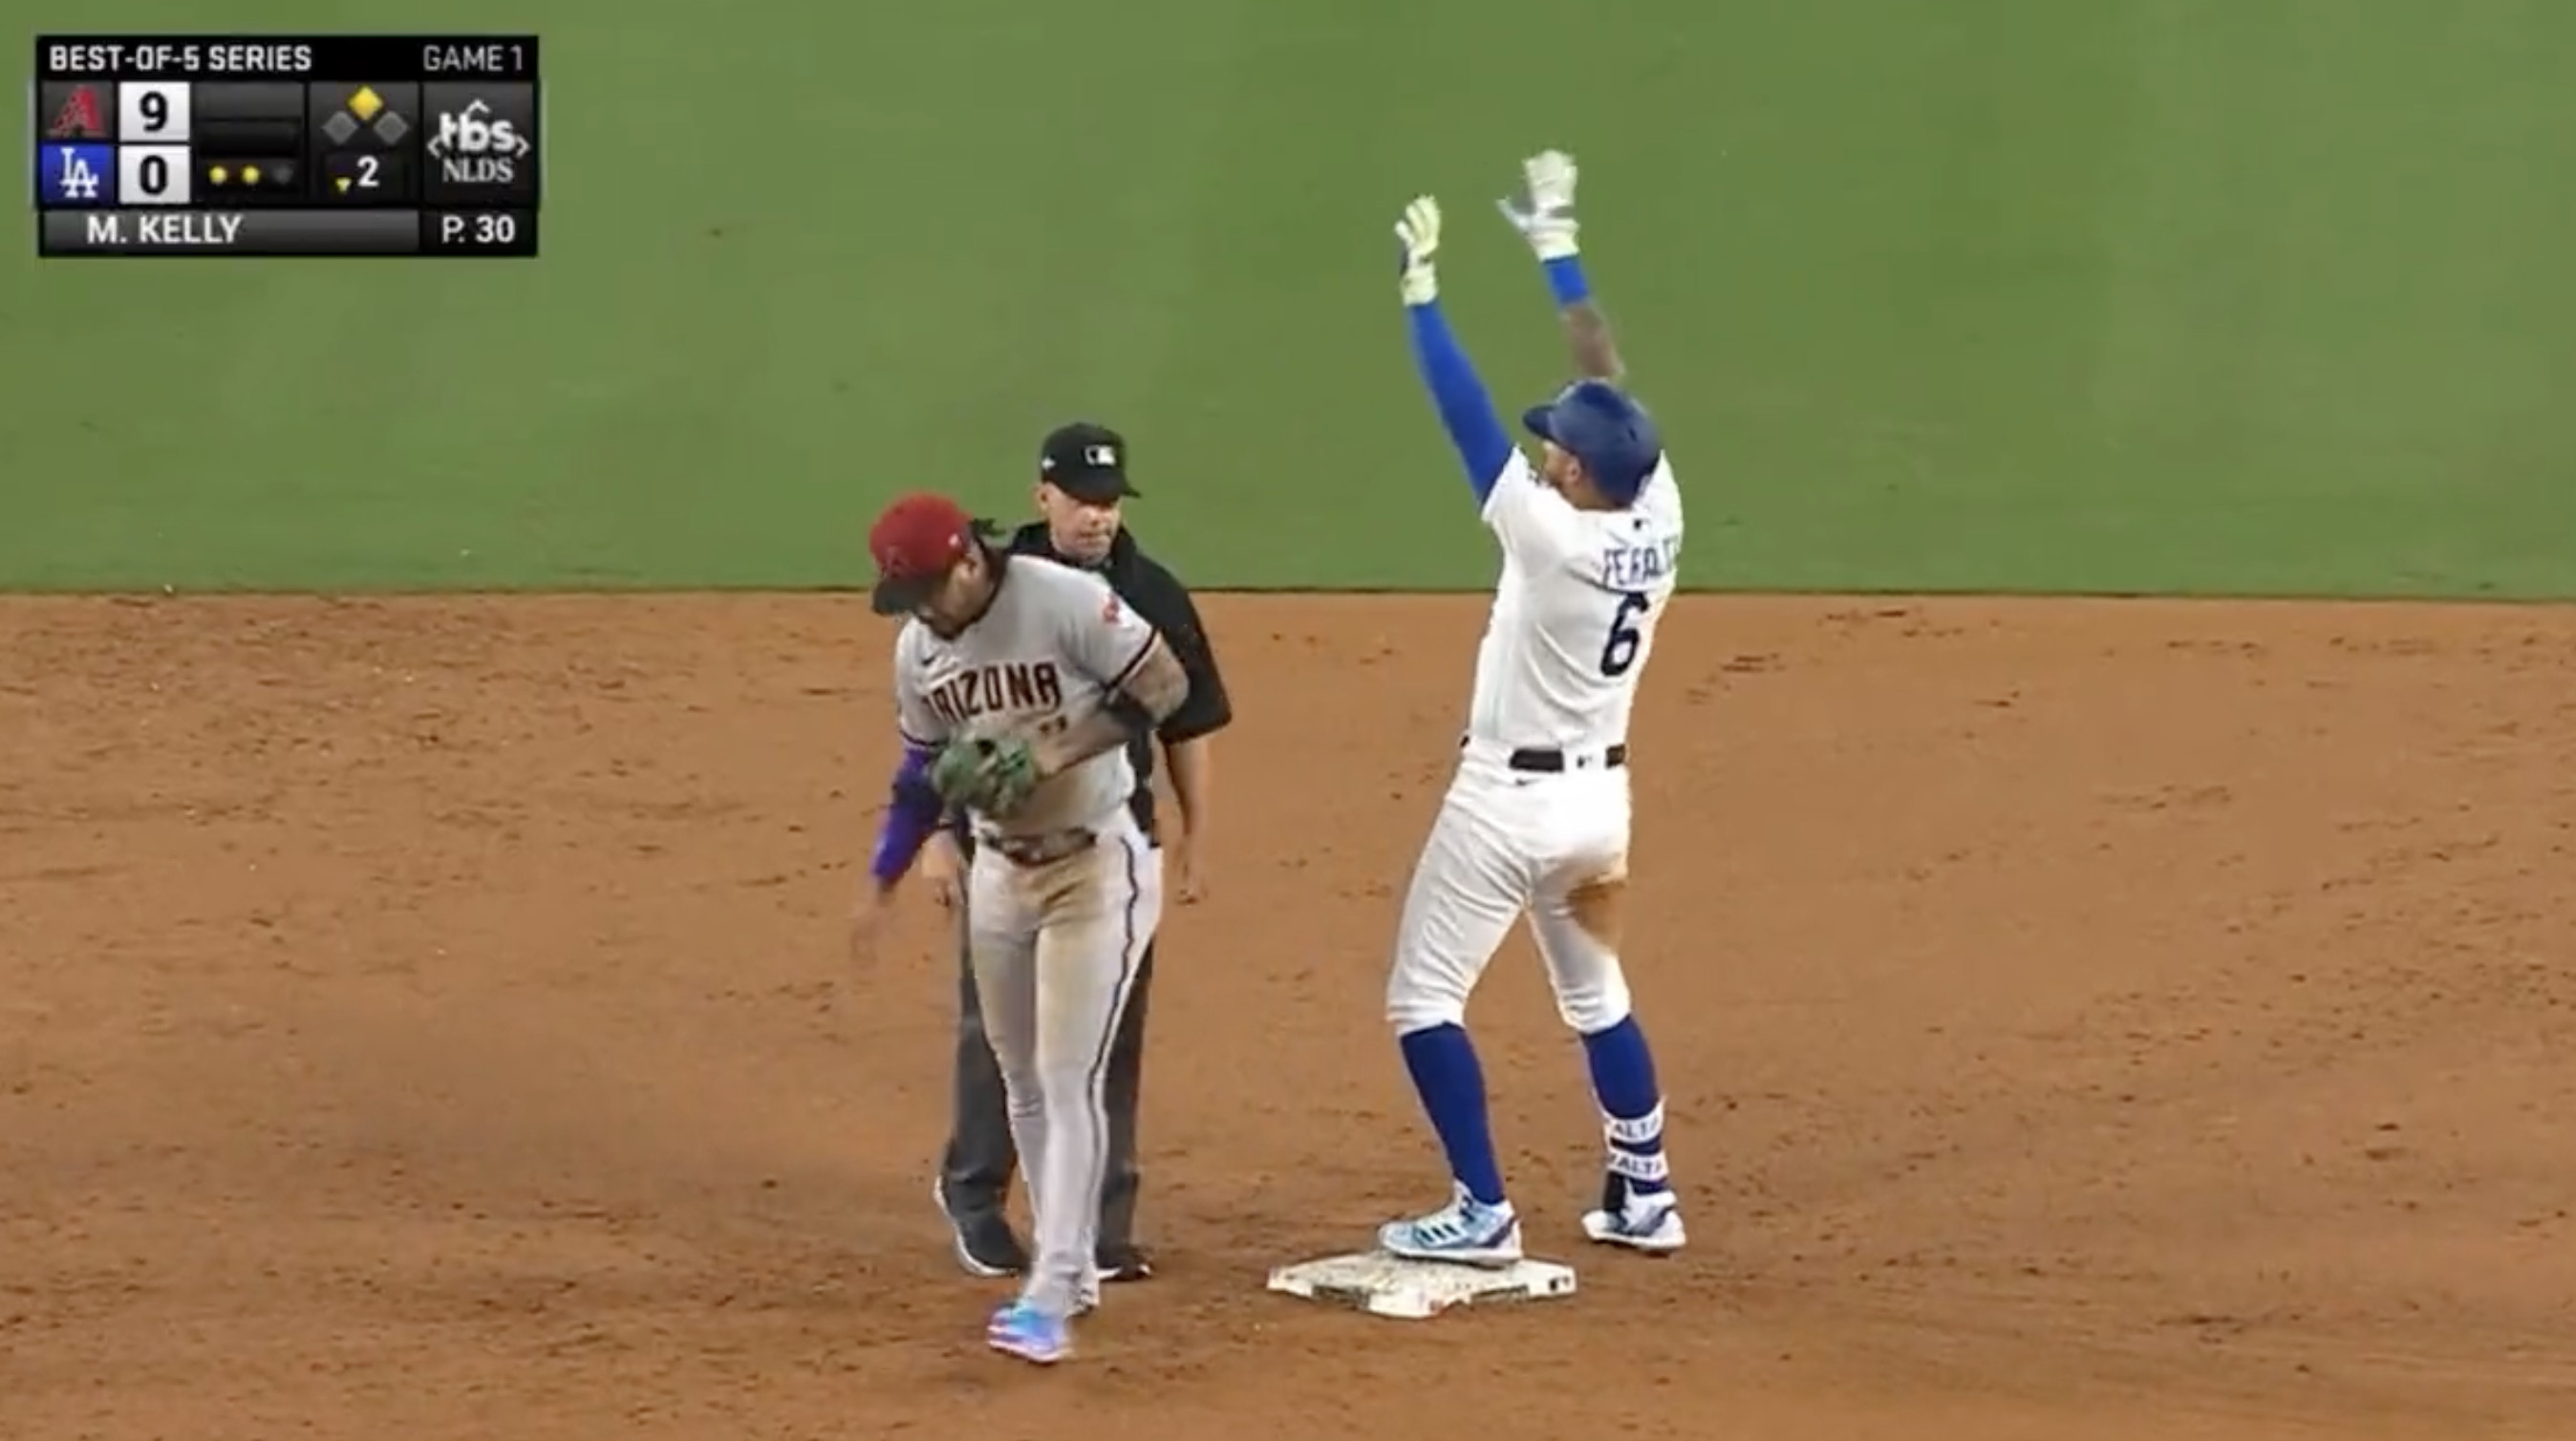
[1056,642]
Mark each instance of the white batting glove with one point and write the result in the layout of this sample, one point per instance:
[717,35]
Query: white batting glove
[1418,234]
[1544,211]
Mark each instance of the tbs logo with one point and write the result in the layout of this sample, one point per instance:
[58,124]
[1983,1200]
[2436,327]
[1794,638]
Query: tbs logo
[475,149]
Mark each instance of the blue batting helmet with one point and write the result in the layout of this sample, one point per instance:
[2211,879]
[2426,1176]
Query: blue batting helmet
[1606,429]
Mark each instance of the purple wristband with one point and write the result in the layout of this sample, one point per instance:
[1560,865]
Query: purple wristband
[912,815]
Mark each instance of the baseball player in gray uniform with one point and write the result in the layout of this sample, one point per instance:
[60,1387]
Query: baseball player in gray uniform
[1018,685]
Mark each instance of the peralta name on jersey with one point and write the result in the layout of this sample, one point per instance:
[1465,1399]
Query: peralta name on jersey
[1639,567]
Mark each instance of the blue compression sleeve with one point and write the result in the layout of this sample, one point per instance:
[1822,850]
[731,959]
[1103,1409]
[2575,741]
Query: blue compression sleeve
[1464,407]
[1565,281]
[912,814]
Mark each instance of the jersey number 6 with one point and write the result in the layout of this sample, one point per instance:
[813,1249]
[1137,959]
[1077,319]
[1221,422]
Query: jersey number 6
[1619,649]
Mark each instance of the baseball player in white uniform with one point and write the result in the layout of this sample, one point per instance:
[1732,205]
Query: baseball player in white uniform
[1018,683]
[1536,818]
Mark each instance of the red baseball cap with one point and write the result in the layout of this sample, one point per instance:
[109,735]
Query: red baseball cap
[915,542]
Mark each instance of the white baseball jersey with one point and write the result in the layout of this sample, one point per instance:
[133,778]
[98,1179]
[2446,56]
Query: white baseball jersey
[1575,612]
[1054,645]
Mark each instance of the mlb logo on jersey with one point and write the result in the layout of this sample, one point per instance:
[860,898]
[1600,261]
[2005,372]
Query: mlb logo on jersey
[76,175]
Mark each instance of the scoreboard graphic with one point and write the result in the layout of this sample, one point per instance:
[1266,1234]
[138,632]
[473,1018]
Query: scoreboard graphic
[347,145]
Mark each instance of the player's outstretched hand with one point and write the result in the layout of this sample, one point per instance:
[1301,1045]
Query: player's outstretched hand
[1417,238]
[1544,210]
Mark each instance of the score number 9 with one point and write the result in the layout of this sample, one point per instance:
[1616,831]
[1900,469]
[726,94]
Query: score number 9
[153,111]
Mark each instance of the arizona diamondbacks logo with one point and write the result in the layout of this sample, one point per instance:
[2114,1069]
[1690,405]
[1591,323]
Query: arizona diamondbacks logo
[76,180]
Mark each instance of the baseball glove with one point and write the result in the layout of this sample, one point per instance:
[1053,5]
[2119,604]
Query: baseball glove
[989,774]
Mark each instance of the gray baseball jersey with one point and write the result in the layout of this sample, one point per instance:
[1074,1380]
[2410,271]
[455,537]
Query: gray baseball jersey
[1056,642]
[1055,945]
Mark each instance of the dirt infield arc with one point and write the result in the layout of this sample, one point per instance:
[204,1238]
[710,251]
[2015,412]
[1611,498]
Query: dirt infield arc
[428,1019]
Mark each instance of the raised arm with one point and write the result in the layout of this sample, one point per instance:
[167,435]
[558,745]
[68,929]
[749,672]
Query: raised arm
[1587,330]
[1544,215]
[1466,411]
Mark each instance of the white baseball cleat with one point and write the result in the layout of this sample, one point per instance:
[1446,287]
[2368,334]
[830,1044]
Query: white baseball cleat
[1651,1223]
[1466,1232]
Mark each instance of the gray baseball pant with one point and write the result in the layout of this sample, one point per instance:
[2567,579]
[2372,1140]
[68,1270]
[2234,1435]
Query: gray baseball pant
[980,1160]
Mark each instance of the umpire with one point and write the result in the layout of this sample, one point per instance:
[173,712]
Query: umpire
[1082,486]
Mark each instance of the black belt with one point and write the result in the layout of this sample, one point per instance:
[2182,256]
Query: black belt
[1552,762]
[1039,850]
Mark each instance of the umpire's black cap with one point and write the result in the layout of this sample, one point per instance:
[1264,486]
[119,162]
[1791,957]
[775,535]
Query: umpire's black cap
[1086,461]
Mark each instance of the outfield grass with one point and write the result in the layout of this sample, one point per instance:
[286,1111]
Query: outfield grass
[2245,295]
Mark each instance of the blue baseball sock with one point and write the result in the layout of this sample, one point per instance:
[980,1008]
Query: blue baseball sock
[1632,1106]
[1452,1085]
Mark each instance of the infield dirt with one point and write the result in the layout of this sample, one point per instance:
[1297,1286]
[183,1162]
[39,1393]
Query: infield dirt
[430,1018]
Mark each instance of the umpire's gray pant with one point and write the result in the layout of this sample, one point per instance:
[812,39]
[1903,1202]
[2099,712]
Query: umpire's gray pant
[977,1169]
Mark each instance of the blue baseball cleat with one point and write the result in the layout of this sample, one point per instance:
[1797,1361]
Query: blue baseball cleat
[1466,1232]
[1022,1330]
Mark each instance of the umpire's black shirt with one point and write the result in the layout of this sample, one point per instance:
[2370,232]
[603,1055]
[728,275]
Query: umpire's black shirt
[1156,594]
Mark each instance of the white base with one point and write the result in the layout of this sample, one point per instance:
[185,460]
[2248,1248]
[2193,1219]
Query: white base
[1385,1285]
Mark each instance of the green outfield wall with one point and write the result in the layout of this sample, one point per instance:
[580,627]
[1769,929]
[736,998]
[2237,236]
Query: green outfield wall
[2121,295]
